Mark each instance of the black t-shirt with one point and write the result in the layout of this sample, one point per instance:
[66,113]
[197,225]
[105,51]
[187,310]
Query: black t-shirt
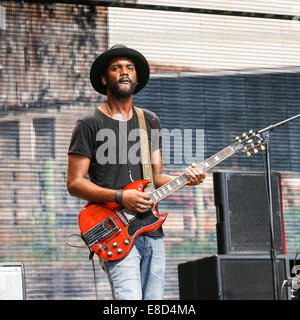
[113,148]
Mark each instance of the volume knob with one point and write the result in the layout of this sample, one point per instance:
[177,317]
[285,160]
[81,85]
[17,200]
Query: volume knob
[126,241]
[109,254]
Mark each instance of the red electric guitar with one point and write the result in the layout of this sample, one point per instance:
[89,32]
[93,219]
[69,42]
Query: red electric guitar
[110,230]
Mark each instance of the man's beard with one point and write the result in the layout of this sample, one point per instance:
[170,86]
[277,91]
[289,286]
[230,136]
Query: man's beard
[118,92]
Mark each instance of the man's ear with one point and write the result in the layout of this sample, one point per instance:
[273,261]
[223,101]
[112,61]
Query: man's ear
[103,79]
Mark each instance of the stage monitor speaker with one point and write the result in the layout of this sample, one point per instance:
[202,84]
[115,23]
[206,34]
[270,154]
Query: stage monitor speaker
[242,213]
[232,277]
[12,281]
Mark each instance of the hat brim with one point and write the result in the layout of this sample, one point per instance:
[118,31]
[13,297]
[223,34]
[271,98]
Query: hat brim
[101,63]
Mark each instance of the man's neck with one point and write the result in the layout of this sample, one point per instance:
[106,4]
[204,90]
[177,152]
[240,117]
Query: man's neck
[120,108]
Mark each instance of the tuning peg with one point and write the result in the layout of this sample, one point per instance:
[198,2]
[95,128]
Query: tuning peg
[251,131]
[255,150]
[262,148]
[244,135]
[248,153]
[237,138]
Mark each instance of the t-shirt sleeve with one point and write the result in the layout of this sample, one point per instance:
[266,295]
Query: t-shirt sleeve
[81,140]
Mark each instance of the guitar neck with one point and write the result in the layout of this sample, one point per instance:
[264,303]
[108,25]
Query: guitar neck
[180,181]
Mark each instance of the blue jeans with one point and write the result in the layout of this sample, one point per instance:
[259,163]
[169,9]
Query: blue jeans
[140,275]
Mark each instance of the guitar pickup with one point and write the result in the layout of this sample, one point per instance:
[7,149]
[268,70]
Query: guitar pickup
[122,217]
[100,231]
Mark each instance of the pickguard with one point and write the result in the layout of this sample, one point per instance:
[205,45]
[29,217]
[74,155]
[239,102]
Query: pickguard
[141,220]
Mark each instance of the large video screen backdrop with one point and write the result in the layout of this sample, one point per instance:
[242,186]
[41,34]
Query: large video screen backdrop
[218,74]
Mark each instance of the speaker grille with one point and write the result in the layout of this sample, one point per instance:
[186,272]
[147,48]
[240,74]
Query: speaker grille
[246,214]
[250,279]
[233,277]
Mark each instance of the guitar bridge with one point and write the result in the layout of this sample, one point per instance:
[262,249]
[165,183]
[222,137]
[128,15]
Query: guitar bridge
[101,231]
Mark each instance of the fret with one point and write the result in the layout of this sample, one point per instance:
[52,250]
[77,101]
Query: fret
[180,180]
[227,152]
[153,197]
[216,159]
[163,189]
[201,167]
[183,179]
[168,188]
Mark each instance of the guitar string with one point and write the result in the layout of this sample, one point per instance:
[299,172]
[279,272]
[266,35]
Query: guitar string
[117,218]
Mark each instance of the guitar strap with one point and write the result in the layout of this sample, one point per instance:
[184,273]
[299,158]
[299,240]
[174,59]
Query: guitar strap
[145,154]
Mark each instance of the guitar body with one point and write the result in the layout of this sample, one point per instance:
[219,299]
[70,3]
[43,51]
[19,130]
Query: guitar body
[114,229]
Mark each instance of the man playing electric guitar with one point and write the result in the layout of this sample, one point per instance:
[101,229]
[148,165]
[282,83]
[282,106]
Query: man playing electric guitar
[119,73]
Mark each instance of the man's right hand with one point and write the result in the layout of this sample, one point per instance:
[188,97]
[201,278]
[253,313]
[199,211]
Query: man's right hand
[136,201]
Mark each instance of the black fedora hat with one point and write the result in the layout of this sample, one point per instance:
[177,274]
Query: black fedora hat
[101,63]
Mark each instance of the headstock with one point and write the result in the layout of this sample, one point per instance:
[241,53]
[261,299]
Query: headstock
[249,141]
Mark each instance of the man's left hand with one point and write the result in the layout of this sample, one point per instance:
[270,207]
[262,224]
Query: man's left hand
[194,175]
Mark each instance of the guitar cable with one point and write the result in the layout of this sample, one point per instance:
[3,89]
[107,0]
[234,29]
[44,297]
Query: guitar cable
[91,256]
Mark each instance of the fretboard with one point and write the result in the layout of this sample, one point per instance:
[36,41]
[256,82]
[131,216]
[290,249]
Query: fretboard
[180,181]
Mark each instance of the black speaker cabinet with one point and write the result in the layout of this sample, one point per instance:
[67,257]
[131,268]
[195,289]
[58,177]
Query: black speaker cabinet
[232,277]
[243,215]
